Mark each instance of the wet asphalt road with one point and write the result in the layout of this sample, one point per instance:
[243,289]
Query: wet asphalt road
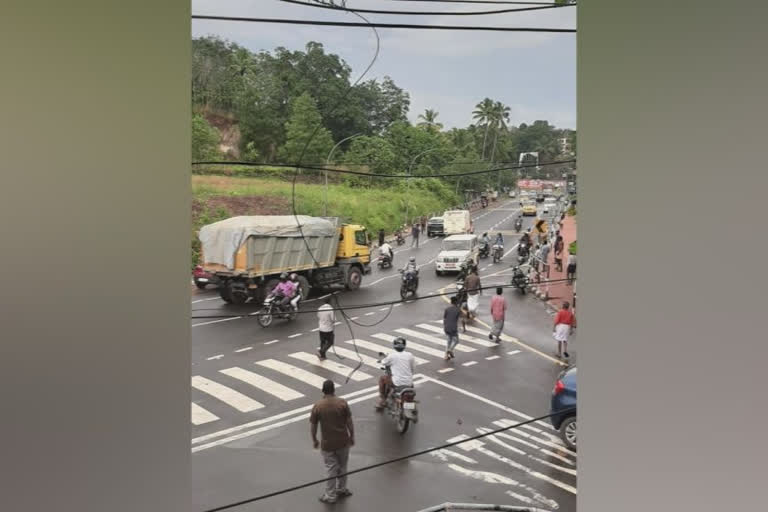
[252,388]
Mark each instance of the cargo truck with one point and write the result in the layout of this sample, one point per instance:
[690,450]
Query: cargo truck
[457,222]
[247,254]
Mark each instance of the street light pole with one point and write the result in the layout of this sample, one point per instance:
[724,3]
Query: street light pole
[327,163]
[408,181]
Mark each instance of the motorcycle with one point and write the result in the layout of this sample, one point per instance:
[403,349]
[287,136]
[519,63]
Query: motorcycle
[498,252]
[273,309]
[484,250]
[399,238]
[400,403]
[518,224]
[385,261]
[409,284]
[520,280]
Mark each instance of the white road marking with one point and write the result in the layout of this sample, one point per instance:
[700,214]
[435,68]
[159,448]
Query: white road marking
[203,300]
[384,309]
[491,358]
[369,314]
[227,395]
[462,337]
[201,416]
[432,339]
[216,321]
[315,329]
[380,348]
[331,366]
[306,377]
[296,335]
[469,363]
[300,417]
[411,345]
[351,354]
[535,447]
[337,323]
[445,453]
[354,318]
[398,305]
[480,331]
[480,447]
[501,443]
[519,432]
[212,358]
[267,385]
[445,370]
[246,349]
[270,342]
[513,352]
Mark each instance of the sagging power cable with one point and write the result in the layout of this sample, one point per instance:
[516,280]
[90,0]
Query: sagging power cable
[426,13]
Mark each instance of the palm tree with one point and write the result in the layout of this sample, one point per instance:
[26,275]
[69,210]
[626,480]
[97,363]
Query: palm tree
[429,120]
[500,118]
[483,113]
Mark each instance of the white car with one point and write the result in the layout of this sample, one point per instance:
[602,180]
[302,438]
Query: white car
[549,205]
[456,249]
[511,193]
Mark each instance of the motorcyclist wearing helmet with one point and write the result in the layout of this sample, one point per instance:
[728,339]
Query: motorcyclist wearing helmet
[499,239]
[412,269]
[401,366]
[485,240]
[298,292]
[386,250]
[285,290]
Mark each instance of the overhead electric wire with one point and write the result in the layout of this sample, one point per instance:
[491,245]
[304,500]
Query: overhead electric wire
[426,13]
[503,2]
[391,461]
[382,25]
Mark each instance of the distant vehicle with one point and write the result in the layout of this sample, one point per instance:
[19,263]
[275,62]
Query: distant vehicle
[563,407]
[530,210]
[457,222]
[435,227]
[512,193]
[248,253]
[549,204]
[539,197]
[203,278]
[455,251]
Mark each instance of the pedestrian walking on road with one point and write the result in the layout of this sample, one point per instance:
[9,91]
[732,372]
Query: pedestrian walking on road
[544,255]
[571,269]
[559,247]
[381,237]
[415,235]
[325,321]
[423,223]
[563,327]
[451,327]
[498,311]
[338,435]
[474,289]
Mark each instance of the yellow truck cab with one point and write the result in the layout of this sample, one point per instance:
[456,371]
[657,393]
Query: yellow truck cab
[353,243]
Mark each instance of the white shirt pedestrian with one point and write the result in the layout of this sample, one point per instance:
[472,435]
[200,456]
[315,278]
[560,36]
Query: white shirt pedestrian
[325,318]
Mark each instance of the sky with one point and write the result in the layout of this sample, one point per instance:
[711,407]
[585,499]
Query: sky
[447,71]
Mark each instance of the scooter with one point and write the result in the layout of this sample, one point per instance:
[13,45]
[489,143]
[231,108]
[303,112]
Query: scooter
[498,252]
[400,403]
[518,224]
[385,261]
[409,283]
[272,309]
[520,280]
[484,250]
[399,238]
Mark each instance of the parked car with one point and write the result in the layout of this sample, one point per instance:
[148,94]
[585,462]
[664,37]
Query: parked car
[456,250]
[435,227]
[203,278]
[563,407]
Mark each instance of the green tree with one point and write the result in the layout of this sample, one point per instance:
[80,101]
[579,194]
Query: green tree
[205,139]
[483,113]
[374,152]
[429,120]
[499,120]
[304,141]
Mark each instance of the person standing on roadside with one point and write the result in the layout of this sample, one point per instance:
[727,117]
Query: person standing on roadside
[544,256]
[338,435]
[415,235]
[474,289]
[564,324]
[423,223]
[571,269]
[498,311]
[325,321]
[451,327]
[381,237]
[559,247]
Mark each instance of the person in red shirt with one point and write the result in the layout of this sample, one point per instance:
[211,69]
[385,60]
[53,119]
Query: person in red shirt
[498,310]
[563,326]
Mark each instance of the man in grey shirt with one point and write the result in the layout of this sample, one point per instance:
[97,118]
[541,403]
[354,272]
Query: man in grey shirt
[451,327]
[544,254]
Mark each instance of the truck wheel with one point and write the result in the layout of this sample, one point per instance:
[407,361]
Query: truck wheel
[354,278]
[238,296]
[225,293]
[200,286]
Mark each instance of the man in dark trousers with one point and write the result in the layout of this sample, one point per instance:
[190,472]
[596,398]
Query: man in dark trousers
[451,327]
[335,420]
[415,235]
[381,237]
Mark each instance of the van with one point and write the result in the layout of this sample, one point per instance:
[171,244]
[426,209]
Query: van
[456,250]
[457,222]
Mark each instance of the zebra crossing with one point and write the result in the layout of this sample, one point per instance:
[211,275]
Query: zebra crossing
[534,465]
[264,384]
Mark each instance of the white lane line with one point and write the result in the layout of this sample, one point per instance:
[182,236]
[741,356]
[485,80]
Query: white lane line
[525,435]
[227,395]
[354,318]
[262,421]
[201,416]
[315,329]
[535,447]
[270,342]
[487,401]
[369,314]
[203,300]
[384,309]
[213,358]
[306,377]
[331,366]
[267,385]
[398,304]
[432,339]
[354,356]
[445,453]
[337,323]
[462,337]
[491,358]
[411,345]
[480,331]
[300,417]
[496,478]
[445,370]
[216,321]
[296,335]
[513,352]
[380,348]
[501,443]
[246,349]
[469,363]
[479,446]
